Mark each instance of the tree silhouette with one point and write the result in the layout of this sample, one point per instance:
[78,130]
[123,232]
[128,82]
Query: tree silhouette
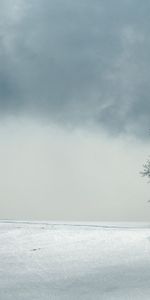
[146,169]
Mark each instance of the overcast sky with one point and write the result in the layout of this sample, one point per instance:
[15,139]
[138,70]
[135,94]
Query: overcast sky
[74,109]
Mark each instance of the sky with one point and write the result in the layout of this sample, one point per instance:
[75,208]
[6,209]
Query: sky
[74,109]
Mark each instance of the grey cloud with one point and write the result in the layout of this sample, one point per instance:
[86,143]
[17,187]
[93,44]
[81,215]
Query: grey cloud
[77,62]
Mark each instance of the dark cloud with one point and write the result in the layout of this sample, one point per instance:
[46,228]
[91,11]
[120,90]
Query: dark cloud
[78,62]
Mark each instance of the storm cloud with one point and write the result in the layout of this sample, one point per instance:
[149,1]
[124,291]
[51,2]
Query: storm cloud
[74,109]
[81,63]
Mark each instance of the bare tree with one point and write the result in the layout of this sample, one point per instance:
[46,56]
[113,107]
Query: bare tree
[146,169]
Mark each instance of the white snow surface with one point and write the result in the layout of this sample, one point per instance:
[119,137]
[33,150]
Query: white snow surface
[72,261]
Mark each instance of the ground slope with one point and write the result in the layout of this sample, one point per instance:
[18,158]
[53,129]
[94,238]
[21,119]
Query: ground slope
[44,261]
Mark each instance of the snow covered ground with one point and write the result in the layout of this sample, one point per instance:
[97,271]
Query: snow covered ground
[46,261]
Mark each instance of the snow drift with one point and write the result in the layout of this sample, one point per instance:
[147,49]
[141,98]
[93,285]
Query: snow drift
[43,260]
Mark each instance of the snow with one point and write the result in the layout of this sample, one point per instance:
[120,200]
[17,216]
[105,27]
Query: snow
[44,261]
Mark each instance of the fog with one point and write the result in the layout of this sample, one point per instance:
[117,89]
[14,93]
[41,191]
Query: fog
[56,173]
